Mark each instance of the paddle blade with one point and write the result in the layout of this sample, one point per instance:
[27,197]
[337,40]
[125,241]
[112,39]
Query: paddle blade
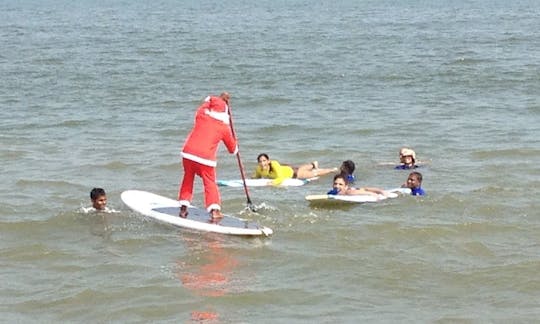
[251,207]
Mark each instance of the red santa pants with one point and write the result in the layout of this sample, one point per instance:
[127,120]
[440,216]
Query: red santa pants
[212,199]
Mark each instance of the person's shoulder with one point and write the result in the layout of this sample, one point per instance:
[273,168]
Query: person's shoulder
[418,192]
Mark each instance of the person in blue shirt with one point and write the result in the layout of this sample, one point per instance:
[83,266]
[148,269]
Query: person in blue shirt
[407,158]
[414,182]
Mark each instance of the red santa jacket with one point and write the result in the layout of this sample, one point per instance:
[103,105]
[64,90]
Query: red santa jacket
[211,127]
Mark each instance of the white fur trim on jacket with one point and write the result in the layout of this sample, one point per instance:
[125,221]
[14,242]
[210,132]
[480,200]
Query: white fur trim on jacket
[184,203]
[221,116]
[198,159]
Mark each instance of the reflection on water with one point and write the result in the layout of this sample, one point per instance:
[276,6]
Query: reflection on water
[100,222]
[206,271]
[203,316]
[100,225]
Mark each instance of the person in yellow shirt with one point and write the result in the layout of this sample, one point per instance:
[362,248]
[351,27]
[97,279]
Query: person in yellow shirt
[272,169]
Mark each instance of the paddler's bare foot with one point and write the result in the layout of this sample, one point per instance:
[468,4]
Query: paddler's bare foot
[216,214]
[183,212]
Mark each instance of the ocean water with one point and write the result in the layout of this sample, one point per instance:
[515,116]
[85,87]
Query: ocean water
[102,93]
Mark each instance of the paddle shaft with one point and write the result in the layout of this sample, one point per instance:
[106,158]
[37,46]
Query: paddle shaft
[240,166]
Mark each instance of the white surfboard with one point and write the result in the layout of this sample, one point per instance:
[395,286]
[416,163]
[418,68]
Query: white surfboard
[289,182]
[166,210]
[392,193]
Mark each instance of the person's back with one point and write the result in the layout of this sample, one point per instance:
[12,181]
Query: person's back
[199,153]
[209,129]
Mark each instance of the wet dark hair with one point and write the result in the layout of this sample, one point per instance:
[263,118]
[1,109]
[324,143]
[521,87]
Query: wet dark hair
[97,192]
[418,175]
[265,156]
[342,176]
[261,155]
[347,167]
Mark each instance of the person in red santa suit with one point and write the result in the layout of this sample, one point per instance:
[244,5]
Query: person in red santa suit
[212,126]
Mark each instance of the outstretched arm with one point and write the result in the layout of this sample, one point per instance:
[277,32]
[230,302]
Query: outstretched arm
[377,191]
[365,191]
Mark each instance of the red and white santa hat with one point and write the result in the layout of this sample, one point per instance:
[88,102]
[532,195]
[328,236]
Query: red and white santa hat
[218,108]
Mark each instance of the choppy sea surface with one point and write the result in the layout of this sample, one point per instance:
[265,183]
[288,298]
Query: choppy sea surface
[102,94]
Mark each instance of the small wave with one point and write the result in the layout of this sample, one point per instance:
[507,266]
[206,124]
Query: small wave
[494,189]
[176,167]
[48,61]
[511,153]
[170,103]
[274,128]
[88,210]
[265,206]
[116,165]
[73,123]
[10,155]
[467,61]
[48,183]
[171,132]
[483,228]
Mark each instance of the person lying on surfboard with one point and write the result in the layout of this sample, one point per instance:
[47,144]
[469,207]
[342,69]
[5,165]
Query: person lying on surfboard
[272,169]
[341,187]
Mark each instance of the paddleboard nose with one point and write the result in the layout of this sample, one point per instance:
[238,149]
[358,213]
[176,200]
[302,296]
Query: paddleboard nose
[267,231]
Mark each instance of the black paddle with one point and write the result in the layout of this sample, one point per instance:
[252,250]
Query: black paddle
[249,203]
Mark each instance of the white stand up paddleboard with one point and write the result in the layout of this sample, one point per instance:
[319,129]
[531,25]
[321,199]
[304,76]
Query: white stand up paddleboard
[166,210]
[289,182]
